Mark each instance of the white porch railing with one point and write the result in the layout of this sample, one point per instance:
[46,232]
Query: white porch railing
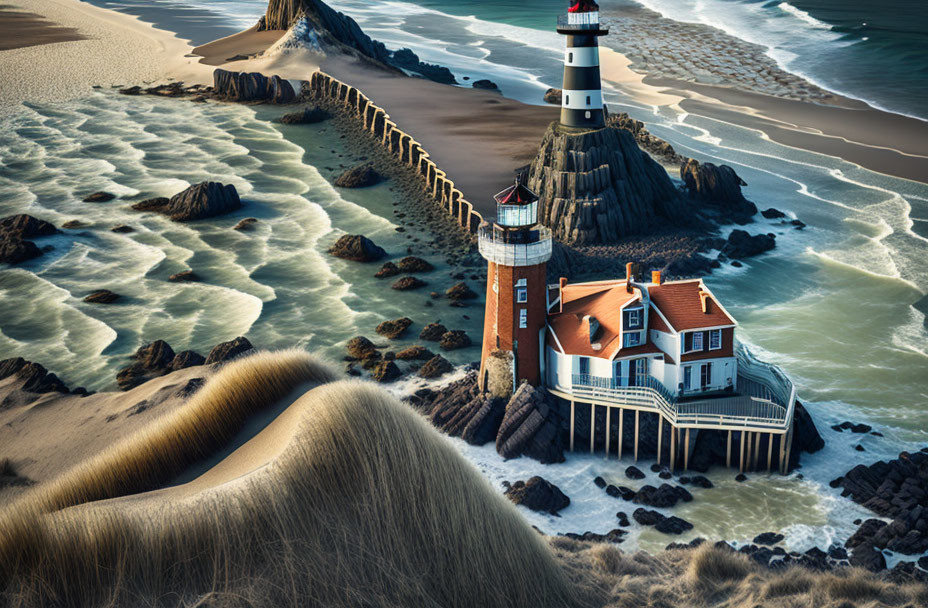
[766,398]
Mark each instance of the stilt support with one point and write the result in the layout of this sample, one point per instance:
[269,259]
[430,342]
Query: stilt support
[637,425]
[621,431]
[660,436]
[592,426]
[673,447]
[728,452]
[741,452]
[769,452]
[572,419]
[608,428]
[686,451]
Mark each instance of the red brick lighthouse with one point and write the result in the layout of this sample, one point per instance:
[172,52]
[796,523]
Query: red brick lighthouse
[517,250]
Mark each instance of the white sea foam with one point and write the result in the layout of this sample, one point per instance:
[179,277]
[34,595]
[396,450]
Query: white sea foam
[803,16]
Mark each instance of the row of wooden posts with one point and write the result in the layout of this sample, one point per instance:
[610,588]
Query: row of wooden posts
[400,144]
[749,453]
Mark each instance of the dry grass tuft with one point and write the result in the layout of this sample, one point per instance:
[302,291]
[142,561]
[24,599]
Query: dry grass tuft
[792,582]
[711,567]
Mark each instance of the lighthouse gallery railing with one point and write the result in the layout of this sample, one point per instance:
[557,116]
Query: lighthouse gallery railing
[766,401]
[495,249]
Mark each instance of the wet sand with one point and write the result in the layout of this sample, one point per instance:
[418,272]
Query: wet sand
[846,128]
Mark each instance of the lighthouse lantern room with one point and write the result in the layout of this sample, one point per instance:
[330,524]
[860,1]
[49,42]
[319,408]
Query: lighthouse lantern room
[517,250]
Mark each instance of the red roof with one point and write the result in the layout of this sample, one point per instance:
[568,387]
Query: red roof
[602,301]
[517,194]
[681,305]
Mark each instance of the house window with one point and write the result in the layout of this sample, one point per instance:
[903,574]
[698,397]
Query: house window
[633,318]
[696,339]
[584,366]
[705,375]
[715,339]
[522,283]
[523,318]
[632,339]
[521,295]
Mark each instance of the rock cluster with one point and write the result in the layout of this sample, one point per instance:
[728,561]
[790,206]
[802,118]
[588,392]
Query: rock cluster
[15,231]
[409,61]
[200,201]
[661,523]
[897,489]
[662,497]
[529,424]
[158,359]
[357,248]
[35,378]
[599,186]
[252,86]
[394,329]
[306,116]
[538,494]
[101,296]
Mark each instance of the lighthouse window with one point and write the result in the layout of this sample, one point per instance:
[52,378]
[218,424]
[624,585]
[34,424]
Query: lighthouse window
[567,100]
[588,114]
[521,295]
[570,57]
[588,100]
[523,318]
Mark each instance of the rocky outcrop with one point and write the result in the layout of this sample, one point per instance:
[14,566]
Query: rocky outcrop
[413,263]
[101,296]
[34,377]
[361,176]
[185,276]
[663,496]
[537,494]
[409,61]
[435,367]
[306,116]
[360,348]
[661,523]
[415,353]
[599,186]
[357,248]
[14,232]
[459,410]
[656,146]
[897,489]
[487,85]
[226,351]
[385,371]
[252,86]
[742,245]
[531,427]
[460,291]
[246,224]
[554,96]
[99,197]
[151,361]
[433,332]
[185,359]
[718,190]
[200,201]
[394,329]
[454,339]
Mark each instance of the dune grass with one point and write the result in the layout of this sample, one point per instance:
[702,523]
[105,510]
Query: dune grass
[361,503]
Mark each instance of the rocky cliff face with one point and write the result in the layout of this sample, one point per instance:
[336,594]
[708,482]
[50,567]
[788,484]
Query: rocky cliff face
[599,186]
[333,30]
[718,189]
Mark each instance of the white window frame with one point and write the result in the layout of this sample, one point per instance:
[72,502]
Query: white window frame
[521,295]
[636,313]
[715,336]
[627,339]
[693,347]
[523,318]
[522,283]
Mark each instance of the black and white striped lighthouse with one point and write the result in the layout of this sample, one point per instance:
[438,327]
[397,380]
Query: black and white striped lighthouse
[582,98]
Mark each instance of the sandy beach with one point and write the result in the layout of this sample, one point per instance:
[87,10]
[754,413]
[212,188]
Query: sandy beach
[62,48]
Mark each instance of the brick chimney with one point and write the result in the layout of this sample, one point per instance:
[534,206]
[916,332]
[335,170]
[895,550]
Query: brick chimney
[656,277]
[704,301]
[629,275]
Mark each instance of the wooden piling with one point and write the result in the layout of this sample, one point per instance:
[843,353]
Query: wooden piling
[571,426]
[621,431]
[686,451]
[660,435]
[637,425]
[728,451]
[608,430]
[592,426]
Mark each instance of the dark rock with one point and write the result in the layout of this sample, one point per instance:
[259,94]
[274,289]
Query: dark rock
[24,226]
[99,197]
[159,204]
[226,351]
[186,276]
[627,493]
[414,353]
[538,495]
[386,371]
[151,361]
[613,491]
[854,428]
[72,224]
[460,291]
[245,224]
[647,517]
[859,448]
[460,409]
[185,359]
[357,248]
[412,263]
[361,176]
[122,229]
[868,557]
[389,269]
[664,496]
[623,519]
[720,187]
[742,245]
[634,472]
[407,283]
[665,474]
[16,251]
[673,525]
[35,378]
[361,348]
[454,339]
[485,84]
[435,367]
[531,426]
[741,477]
[408,60]
[101,296]
[613,536]
[772,214]
[599,481]
[394,329]
[200,201]
[251,86]
[554,96]
[768,538]
[701,481]
[306,116]
[190,387]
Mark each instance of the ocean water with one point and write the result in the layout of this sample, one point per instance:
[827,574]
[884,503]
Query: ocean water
[831,304]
